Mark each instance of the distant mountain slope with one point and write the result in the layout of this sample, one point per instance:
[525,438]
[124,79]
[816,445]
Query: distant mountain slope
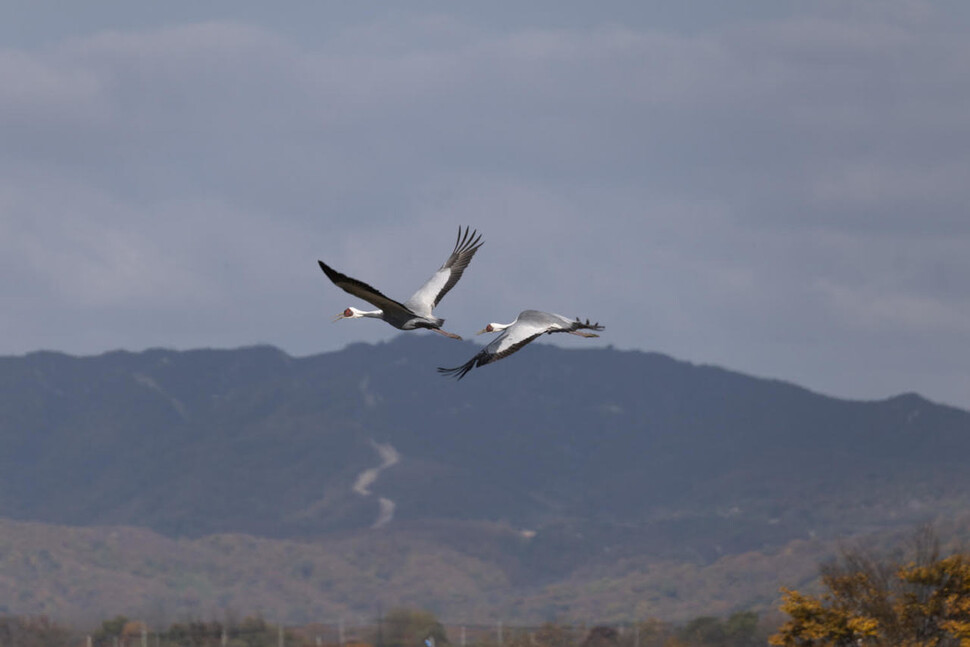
[596,451]
[85,575]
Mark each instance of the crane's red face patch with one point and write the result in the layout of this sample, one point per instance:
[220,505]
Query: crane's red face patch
[348,313]
[489,328]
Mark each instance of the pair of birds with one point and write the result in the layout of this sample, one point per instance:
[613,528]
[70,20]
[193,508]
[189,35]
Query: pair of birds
[416,312]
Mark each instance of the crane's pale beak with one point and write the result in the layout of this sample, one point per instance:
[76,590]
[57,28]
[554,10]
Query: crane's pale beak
[339,317]
[482,331]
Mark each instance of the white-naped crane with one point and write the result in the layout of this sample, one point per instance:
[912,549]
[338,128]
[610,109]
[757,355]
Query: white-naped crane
[416,311]
[529,325]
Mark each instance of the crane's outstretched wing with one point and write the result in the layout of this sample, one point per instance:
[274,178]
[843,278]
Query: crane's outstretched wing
[362,291]
[510,341]
[429,294]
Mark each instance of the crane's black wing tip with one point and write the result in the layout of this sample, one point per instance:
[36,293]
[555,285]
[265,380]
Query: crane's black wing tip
[359,288]
[468,243]
[334,276]
[457,372]
[450,372]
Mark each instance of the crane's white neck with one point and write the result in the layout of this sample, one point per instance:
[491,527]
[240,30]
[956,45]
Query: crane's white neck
[354,313]
[375,314]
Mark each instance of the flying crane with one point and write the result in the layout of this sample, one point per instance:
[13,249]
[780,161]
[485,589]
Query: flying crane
[529,325]
[416,311]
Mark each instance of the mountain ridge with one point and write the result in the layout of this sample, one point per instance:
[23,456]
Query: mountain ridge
[153,406]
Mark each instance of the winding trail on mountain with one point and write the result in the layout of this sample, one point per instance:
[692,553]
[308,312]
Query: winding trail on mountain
[389,457]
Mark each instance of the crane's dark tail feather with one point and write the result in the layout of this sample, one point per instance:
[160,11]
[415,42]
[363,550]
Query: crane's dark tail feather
[579,324]
[459,371]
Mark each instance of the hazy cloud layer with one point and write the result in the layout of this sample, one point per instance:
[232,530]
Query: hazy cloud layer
[782,192]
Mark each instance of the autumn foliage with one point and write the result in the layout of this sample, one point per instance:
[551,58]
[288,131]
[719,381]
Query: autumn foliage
[868,601]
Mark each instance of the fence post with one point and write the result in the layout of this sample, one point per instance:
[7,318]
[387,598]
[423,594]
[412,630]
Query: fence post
[380,626]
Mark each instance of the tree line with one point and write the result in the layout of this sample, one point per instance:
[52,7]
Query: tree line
[399,628]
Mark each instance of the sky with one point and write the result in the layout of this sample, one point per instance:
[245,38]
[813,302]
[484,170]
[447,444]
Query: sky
[778,188]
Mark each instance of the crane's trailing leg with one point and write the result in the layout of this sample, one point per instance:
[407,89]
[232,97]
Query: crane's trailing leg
[583,334]
[445,333]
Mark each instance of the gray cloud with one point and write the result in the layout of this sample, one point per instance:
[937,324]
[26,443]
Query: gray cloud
[780,191]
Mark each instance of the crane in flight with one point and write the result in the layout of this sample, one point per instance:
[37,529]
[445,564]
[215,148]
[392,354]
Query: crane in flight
[416,311]
[529,325]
